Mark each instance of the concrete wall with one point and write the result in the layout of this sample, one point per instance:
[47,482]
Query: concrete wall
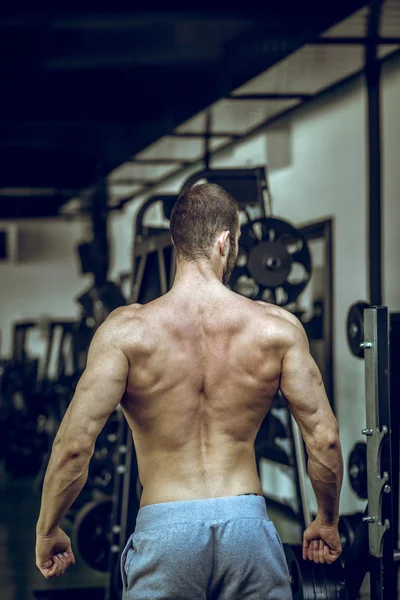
[44,280]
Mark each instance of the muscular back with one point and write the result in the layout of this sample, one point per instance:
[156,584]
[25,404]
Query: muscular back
[203,372]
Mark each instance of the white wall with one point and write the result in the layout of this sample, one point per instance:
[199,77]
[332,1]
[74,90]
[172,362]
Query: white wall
[391,183]
[46,279]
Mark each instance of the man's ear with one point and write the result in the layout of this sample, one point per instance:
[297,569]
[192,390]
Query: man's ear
[223,243]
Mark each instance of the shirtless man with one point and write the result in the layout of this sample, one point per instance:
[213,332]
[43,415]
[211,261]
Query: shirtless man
[195,373]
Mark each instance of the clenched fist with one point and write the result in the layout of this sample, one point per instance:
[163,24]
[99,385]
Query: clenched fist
[321,543]
[54,554]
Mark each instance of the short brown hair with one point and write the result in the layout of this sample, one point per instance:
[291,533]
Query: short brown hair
[199,214]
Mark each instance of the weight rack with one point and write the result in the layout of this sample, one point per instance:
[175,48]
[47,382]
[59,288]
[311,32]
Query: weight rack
[382,438]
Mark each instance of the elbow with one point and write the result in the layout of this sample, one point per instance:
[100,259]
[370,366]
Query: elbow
[332,436]
[333,440]
[326,439]
[76,451]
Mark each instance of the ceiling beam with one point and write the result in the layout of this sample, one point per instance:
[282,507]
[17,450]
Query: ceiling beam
[161,161]
[355,41]
[203,134]
[275,96]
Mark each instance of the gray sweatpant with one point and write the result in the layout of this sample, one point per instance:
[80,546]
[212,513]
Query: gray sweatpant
[218,548]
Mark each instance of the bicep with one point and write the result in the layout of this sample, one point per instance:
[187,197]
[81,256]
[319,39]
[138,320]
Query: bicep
[97,394]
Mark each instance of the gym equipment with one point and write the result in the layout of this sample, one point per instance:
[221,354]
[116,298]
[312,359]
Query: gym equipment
[367,540]
[311,581]
[273,441]
[274,262]
[348,525]
[23,417]
[102,464]
[100,300]
[357,469]
[355,327]
[153,259]
[126,494]
[383,505]
[91,532]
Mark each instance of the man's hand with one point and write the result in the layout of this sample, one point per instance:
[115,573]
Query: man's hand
[54,554]
[321,543]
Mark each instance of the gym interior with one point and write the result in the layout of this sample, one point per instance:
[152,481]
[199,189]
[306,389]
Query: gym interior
[107,116]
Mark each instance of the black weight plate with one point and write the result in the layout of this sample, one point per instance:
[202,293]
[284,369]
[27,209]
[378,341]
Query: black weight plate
[92,533]
[311,581]
[269,250]
[300,573]
[320,583]
[357,469]
[355,327]
[335,581]
[346,532]
[269,263]
[117,579]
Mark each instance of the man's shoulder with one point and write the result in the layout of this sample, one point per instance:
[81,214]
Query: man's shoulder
[280,313]
[120,323]
[286,327]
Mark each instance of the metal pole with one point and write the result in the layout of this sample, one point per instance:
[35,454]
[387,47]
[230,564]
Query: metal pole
[372,74]
[301,473]
[99,214]
[207,138]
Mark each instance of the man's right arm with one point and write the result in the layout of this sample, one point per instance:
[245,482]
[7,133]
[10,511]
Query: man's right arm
[301,384]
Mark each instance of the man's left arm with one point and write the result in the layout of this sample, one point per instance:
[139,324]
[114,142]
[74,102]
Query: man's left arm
[97,395]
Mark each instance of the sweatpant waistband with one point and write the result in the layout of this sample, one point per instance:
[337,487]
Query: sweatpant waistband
[208,509]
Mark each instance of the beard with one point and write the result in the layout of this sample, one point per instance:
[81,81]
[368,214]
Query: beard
[230,264]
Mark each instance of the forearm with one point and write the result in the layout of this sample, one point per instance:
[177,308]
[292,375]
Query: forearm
[65,478]
[325,468]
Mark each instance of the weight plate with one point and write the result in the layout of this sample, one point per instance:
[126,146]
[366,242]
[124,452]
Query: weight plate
[300,573]
[334,580]
[355,327]
[91,533]
[274,262]
[311,581]
[357,469]
[117,579]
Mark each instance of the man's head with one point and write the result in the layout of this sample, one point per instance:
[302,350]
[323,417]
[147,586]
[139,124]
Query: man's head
[205,226]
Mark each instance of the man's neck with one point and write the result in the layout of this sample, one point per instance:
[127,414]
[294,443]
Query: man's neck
[197,273]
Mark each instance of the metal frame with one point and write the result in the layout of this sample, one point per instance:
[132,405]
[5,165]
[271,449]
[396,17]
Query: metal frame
[379,454]
[124,510]
[372,76]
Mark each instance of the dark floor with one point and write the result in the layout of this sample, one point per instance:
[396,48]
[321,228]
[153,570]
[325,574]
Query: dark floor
[19,577]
